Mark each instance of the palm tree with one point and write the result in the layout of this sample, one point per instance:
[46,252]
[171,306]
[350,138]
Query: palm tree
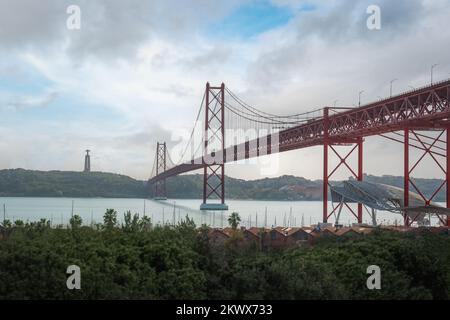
[234,220]
[110,219]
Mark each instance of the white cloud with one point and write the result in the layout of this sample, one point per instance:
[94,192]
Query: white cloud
[18,102]
[149,63]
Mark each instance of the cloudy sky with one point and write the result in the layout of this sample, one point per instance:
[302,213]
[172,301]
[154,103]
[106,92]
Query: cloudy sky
[134,73]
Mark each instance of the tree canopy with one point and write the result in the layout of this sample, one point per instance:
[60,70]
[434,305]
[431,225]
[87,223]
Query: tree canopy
[137,260]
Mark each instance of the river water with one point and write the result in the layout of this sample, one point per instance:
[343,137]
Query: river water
[253,213]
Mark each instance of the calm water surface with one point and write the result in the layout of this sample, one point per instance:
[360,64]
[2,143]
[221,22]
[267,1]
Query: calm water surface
[253,213]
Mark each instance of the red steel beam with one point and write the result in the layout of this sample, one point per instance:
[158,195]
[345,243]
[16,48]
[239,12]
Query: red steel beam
[360,174]
[447,175]
[222,110]
[325,165]
[205,139]
[406,175]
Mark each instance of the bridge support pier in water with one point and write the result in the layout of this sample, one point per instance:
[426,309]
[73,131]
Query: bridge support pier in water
[213,149]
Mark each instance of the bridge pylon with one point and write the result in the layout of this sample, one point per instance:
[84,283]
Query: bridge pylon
[213,149]
[160,192]
[335,145]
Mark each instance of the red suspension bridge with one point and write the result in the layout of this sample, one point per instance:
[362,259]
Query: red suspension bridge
[233,130]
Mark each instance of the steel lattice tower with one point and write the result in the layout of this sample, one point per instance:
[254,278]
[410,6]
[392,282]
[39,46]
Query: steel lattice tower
[160,186]
[213,150]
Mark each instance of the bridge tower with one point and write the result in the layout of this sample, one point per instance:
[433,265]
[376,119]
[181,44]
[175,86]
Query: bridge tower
[335,145]
[213,149]
[160,186]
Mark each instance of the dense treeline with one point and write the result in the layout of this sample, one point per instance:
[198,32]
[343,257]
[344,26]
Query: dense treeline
[139,261]
[19,182]
[279,188]
[427,186]
[30,183]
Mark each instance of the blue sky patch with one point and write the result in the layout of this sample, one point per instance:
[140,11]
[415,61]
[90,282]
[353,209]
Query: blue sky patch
[23,81]
[252,19]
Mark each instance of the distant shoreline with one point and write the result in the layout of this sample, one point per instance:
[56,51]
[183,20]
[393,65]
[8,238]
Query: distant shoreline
[21,183]
[150,199]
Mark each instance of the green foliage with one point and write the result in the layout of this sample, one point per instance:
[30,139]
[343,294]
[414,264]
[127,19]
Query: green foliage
[234,219]
[110,219]
[282,188]
[131,222]
[75,221]
[7,224]
[30,183]
[19,223]
[139,261]
[145,224]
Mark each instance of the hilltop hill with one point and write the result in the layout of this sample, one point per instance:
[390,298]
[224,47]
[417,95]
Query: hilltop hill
[280,188]
[30,183]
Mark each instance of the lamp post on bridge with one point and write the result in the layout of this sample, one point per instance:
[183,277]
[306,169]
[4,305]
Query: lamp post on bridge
[432,69]
[334,103]
[390,91]
[359,101]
